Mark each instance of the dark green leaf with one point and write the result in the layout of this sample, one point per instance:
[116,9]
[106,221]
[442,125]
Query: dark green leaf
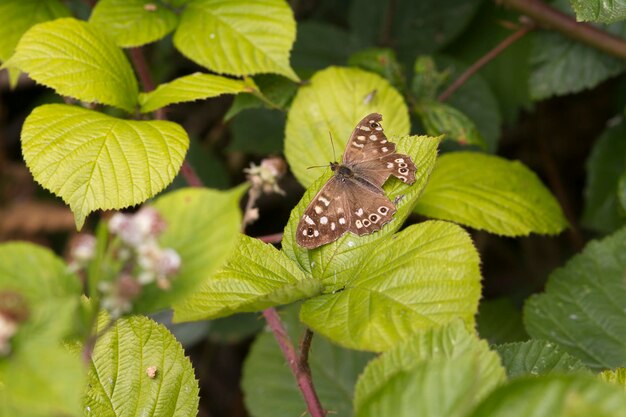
[606,164]
[381,61]
[427,79]
[499,321]
[537,357]
[277,90]
[258,131]
[583,309]
[599,10]
[442,119]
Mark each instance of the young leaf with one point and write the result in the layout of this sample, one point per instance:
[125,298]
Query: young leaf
[256,276]
[333,103]
[599,10]
[439,118]
[138,367]
[19,15]
[192,87]
[277,89]
[336,263]
[537,357]
[582,309]
[133,23]
[94,161]
[242,37]
[381,61]
[617,377]
[426,276]
[490,193]
[36,365]
[447,342]
[202,227]
[604,167]
[269,386]
[554,396]
[78,60]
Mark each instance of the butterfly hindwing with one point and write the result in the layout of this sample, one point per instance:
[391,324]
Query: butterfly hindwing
[369,210]
[378,170]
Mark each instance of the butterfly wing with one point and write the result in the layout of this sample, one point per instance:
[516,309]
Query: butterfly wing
[372,157]
[326,218]
[368,208]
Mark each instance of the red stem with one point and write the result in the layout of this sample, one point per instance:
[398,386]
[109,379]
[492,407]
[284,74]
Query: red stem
[299,369]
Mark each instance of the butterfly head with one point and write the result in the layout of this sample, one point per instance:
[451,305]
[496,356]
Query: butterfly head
[341,171]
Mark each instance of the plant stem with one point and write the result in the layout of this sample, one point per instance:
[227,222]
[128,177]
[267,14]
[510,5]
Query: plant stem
[299,368]
[552,18]
[483,61]
[273,238]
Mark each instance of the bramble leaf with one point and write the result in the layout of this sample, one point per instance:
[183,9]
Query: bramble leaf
[242,37]
[605,166]
[536,357]
[333,103]
[582,309]
[599,10]
[439,118]
[490,193]
[554,396]
[94,161]
[19,15]
[617,377]
[190,88]
[443,346]
[119,380]
[426,276]
[78,60]
[133,23]
[256,276]
[202,227]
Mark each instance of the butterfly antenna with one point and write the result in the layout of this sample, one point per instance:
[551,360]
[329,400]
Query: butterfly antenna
[332,144]
[317,166]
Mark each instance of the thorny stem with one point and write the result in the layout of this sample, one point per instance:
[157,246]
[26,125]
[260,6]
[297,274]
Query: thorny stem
[299,368]
[552,18]
[483,61]
[249,214]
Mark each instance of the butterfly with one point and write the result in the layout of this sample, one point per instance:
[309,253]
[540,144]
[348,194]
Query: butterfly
[353,200]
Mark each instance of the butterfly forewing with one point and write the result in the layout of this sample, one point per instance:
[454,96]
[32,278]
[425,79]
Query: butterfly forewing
[368,141]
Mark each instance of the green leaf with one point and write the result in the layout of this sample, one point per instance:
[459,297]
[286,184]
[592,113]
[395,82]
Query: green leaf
[499,321]
[582,309]
[277,89]
[78,60]
[439,118]
[427,79]
[426,276]
[554,396]
[36,272]
[17,16]
[94,161]
[258,131]
[490,193]
[133,23]
[38,366]
[337,262]
[617,377]
[334,101]
[119,384]
[475,100]
[411,26]
[192,87]
[537,357]
[241,37]
[562,66]
[599,10]
[605,165]
[381,61]
[256,276]
[270,389]
[411,357]
[202,227]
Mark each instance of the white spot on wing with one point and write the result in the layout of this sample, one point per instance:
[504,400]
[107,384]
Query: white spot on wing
[309,220]
[324,220]
[365,128]
[359,212]
[317,209]
[333,226]
[358,224]
[325,201]
[373,137]
[316,233]
[342,220]
[361,137]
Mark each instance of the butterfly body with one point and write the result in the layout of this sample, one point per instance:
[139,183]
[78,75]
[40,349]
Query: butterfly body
[353,199]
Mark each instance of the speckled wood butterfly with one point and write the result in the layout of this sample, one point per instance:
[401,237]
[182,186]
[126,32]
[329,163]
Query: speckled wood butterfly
[353,199]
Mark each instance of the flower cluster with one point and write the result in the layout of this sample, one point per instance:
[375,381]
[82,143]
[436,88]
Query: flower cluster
[143,260]
[265,176]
